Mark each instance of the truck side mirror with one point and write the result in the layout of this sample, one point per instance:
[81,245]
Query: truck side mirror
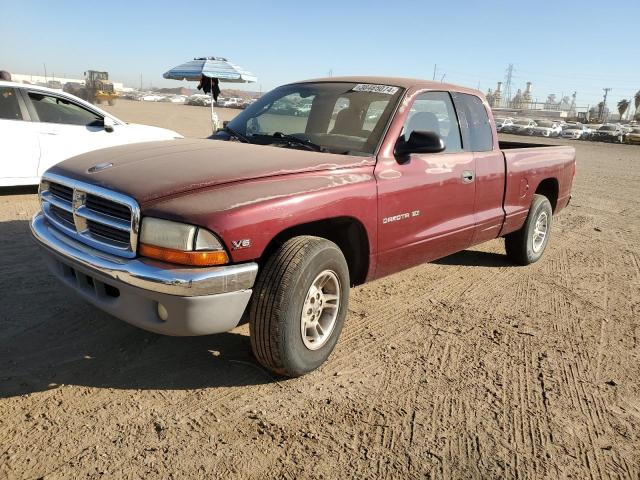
[420,142]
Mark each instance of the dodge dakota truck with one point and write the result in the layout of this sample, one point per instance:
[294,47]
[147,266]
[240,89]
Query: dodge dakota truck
[318,186]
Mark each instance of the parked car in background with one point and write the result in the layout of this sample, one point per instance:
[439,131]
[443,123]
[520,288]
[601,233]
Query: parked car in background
[40,127]
[54,84]
[275,219]
[502,122]
[546,128]
[199,99]
[608,132]
[574,130]
[520,126]
[633,136]
[153,98]
[229,102]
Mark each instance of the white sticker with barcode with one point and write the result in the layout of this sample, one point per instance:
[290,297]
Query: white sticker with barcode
[369,87]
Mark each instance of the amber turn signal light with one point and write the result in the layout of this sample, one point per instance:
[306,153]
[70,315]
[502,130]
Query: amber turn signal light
[196,258]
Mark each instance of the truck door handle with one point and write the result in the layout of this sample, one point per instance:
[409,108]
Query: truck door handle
[467,176]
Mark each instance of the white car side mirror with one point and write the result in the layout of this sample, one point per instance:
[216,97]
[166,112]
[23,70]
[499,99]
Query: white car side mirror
[108,124]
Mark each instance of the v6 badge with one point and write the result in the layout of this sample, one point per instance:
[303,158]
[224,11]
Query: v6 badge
[239,244]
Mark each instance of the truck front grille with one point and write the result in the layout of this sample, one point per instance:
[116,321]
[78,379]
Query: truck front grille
[107,207]
[61,191]
[96,216]
[108,233]
[62,215]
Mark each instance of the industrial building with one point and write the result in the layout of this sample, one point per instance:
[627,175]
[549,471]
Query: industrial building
[523,105]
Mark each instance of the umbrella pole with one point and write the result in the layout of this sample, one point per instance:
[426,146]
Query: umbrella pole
[211,85]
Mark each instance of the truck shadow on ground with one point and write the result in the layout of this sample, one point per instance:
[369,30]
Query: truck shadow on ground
[474,258]
[51,338]
[21,190]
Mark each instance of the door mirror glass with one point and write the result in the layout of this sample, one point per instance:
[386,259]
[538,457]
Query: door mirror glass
[108,124]
[420,141]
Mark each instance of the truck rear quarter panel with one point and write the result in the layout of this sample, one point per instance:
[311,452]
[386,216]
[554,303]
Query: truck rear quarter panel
[526,169]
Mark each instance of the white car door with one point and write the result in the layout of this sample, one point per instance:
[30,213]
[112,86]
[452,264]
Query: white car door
[67,129]
[19,147]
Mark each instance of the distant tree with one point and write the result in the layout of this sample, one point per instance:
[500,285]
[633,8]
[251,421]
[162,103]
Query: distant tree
[623,105]
[637,117]
[637,99]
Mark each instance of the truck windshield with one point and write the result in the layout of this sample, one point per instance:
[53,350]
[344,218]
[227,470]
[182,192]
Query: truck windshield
[338,117]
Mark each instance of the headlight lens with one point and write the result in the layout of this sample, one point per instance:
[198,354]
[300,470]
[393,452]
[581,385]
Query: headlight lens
[180,243]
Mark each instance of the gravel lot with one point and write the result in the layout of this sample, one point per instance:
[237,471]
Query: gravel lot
[466,367]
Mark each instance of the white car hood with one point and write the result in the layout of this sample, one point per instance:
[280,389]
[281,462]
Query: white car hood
[149,133]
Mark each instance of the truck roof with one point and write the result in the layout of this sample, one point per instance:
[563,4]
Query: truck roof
[398,82]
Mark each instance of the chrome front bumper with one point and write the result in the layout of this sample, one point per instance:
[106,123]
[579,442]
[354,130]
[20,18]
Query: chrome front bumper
[198,301]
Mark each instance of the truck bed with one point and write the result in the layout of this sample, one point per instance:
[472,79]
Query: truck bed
[510,145]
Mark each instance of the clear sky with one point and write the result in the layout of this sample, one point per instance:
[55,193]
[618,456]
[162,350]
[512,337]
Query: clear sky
[561,46]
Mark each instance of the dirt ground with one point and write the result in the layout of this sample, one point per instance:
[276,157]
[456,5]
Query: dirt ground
[467,367]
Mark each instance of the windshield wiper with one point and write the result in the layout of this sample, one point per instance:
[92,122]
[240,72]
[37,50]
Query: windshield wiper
[233,133]
[303,142]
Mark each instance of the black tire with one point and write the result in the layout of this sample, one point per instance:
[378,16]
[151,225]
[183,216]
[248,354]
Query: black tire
[520,244]
[279,295]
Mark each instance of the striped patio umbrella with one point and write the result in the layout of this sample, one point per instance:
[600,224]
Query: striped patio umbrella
[212,67]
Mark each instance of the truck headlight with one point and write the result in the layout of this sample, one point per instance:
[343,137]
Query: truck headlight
[180,243]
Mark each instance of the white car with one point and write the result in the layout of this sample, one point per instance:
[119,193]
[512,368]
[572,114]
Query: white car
[40,127]
[546,128]
[574,130]
[502,122]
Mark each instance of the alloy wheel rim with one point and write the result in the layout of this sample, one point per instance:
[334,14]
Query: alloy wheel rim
[320,310]
[540,231]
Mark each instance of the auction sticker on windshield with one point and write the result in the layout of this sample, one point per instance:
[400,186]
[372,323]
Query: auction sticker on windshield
[368,87]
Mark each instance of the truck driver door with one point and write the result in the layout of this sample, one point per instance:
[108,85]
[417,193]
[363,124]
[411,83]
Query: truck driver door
[426,201]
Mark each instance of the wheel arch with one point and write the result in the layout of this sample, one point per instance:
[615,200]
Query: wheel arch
[549,187]
[347,232]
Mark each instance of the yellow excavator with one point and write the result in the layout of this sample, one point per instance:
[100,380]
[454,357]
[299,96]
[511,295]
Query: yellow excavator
[98,87]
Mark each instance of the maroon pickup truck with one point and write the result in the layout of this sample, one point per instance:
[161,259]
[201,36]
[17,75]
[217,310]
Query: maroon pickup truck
[318,186]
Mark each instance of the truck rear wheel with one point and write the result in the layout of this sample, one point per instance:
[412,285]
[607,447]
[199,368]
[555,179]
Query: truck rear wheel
[299,306]
[528,244]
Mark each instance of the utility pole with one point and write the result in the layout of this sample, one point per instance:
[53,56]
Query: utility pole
[45,72]
[435,67]
[604,104]
[507,84]
[140,81]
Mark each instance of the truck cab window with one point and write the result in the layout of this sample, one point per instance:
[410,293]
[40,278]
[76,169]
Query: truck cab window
[479,128]
[434,112]
[9,106]
[51,109]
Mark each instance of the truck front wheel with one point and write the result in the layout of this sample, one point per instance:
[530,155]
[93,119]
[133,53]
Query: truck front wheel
[299,306]
[528,244]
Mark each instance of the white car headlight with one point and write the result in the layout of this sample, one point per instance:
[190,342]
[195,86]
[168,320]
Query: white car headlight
[181,243]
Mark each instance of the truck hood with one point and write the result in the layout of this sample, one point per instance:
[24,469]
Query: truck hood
[154,170]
